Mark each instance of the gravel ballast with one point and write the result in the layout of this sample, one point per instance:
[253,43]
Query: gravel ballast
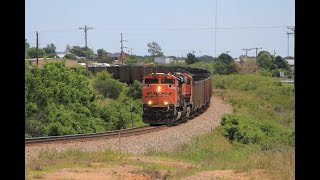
[165,140]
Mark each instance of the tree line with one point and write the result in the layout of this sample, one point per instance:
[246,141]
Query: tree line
[61,101]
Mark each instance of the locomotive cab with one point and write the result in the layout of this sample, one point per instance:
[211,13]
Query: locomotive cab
[159,96]
[165,97]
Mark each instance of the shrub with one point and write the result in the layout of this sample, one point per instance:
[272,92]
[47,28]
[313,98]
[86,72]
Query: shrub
[264,72]
[59,101]
[135,90]
[107,86]
[246,130]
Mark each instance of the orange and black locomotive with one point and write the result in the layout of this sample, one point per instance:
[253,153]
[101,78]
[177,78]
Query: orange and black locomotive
[166,97]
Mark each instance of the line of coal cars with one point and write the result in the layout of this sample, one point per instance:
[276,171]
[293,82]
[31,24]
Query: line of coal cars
[163,107]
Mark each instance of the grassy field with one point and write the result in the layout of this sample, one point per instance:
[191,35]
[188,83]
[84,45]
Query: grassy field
[259,135]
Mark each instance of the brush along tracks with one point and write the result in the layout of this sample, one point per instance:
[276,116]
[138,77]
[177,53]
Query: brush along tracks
[110,134]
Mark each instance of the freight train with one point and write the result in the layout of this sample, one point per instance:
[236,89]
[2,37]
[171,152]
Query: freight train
[169,94]
[169,97]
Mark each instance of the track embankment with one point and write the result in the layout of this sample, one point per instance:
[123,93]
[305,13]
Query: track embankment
[167,139]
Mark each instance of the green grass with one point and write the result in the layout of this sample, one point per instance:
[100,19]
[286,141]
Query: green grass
[259,134]
[51,160]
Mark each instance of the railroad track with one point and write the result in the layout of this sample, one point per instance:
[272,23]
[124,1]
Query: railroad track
[111,134]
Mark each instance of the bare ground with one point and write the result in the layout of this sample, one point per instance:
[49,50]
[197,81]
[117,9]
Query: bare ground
[166,140]
[130,172]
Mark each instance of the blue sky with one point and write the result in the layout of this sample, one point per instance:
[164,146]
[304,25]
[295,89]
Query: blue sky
[178,26]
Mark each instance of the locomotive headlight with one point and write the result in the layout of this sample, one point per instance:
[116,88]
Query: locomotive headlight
[159,88]
[166,103]
[149,102]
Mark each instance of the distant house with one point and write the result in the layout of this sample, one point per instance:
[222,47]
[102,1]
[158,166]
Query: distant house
[163,60]
[237,61]
[60,55]
[94,57]
[291,63]
[116,56]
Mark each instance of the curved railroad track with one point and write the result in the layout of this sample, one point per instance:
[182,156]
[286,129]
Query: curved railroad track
[135,73]
[110,134]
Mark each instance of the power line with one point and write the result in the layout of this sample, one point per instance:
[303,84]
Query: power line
[247,49]
[37,48]
[288,41]
[86,47]
[215,31]
[202,28]
[292,28]
[175,29]
[256,48]
[122,48]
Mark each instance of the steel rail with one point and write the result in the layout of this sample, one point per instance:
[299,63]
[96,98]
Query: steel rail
[123,132]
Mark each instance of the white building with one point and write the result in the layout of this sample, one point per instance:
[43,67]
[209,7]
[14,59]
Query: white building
[61,54]
[100,64]
[82,64]
[291,63]
[163,60]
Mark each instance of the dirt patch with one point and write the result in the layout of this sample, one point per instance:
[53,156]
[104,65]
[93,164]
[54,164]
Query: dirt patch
[119,172]
[163,162]
[229,175]
[129,172]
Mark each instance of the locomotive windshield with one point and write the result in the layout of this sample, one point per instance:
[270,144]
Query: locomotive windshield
[151,81]
[167,81]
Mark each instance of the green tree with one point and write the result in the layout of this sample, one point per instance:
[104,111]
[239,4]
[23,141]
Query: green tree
[191,58]
[58,101]
[281,63]
[50,50]
[32,52]
[225,58]
[68,49]
[26,46]
[264,60]
[80,51]
[103,56]
[206,58]
[224,64]
[135,90]
[154,49]
[70,56]
[107,86]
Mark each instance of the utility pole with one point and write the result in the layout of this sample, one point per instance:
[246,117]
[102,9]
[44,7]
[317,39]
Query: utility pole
[247,49]
[288,42]
[292,28]
[37,49]
[86,47]
[215,30]
[122,48]
[131,112]
[256,51]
